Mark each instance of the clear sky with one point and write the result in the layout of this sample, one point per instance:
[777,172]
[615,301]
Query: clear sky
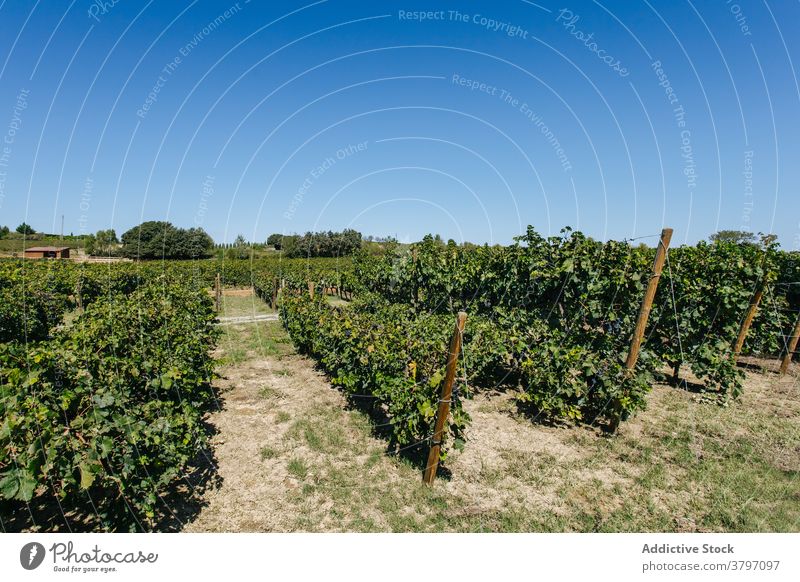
[472,119]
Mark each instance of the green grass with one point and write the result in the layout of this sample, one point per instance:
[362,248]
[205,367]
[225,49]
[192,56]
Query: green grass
[14,242]
[336,301]
[270,393]
[268,453]
[683,473]
[298,468]
[321,433]
[237,306]
[243,342]
[688,473]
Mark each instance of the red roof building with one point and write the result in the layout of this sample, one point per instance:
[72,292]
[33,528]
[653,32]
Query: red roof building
[47,253]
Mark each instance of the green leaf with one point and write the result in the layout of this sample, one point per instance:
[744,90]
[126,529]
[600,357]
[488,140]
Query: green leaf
[87,475]
[104,400]
[27,486]
[436,379]
[106,446]
[9,485]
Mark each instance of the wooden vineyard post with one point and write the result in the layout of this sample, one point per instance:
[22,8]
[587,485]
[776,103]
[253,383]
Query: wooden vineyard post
[416,277]
[274,302]
[748,320]
[444,401]
[647,303]
[218,292]
[311,289]
[644,311]
[79,295]
[791,348]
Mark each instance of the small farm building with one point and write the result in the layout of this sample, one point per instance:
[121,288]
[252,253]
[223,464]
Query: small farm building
[47,253]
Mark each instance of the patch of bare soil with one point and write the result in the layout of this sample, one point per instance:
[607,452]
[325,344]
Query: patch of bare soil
[511,462]
[508,461]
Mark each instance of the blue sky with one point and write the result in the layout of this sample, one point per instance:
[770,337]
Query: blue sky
[472,120]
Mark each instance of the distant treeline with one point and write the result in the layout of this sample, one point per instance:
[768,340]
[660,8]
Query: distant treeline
[317,244]
[162,240]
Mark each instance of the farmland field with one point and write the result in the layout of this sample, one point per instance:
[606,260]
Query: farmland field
[295,455]
[303,395]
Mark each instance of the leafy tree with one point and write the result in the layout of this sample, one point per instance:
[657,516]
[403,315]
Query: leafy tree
[196,243]
[323,244]
[146,241]
[162,240]
[90,244]
[240,249]
[25,229]
[274,240]
[106,239]
[734,236]
[103,243]
[4,231]
[288,245]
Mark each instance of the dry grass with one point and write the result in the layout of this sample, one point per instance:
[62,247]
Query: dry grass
[293,457]
[240,302]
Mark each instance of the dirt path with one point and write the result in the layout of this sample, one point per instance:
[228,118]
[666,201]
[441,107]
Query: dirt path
[293,457]
[262,397]
[247,319]
[282,428]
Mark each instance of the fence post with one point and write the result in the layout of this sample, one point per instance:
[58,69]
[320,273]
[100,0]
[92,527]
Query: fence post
[644,313]
[748,319]
[218,292]
[791,348]
[444,401]
[311,289]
